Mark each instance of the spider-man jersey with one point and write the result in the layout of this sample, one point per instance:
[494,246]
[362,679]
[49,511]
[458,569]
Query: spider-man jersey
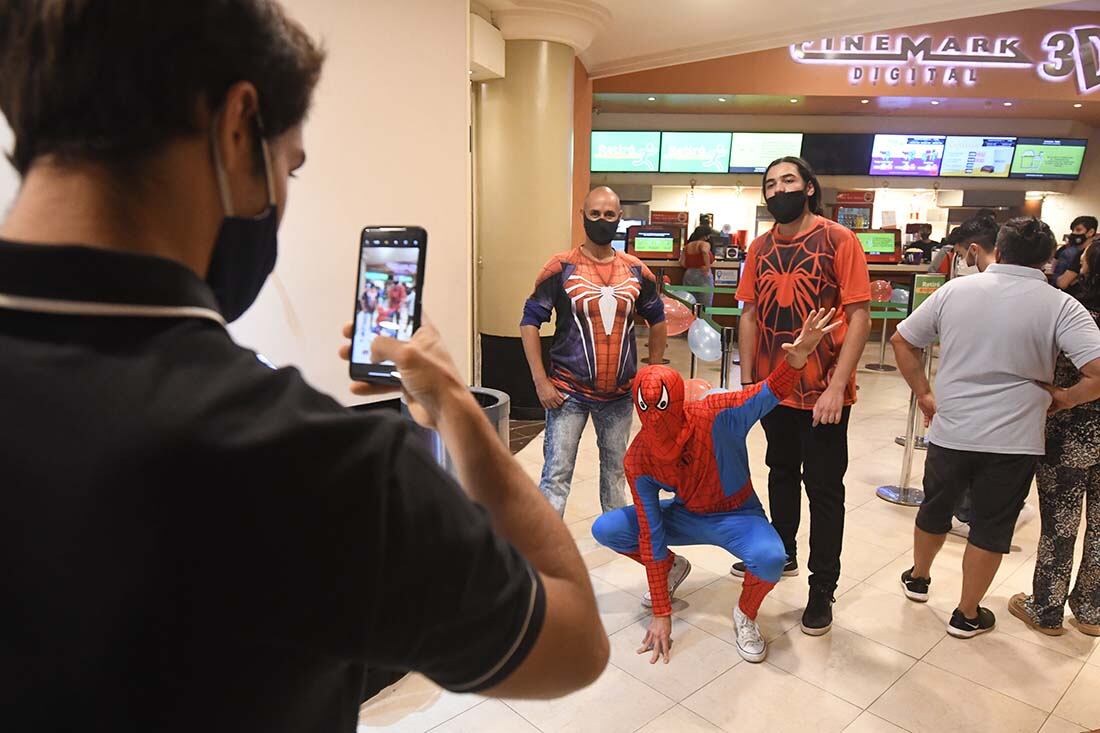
[821,268]
[594,356]
[695,450]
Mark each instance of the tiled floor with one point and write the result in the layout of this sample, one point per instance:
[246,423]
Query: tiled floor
[886,666]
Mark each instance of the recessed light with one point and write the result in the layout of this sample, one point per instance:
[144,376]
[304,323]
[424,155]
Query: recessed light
[721,99]
[1008,104]
[794,101]
[1078,106]
[935,101]
[652,99]
[865,101]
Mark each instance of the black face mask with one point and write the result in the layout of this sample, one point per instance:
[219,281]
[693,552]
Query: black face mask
[244,255]
[245,250]
[600,231]
[787,206]
[1076,240]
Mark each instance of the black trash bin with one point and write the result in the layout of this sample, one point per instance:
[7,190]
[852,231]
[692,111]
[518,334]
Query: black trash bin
[494,404]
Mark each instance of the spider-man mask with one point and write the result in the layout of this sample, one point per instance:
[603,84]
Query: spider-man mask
[659,399]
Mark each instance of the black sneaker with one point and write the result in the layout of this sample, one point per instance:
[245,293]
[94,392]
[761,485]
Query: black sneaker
[962,627]
[916,589]
[789,570]
[818,616]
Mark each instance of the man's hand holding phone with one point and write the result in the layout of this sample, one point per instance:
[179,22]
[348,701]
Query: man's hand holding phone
[429,377]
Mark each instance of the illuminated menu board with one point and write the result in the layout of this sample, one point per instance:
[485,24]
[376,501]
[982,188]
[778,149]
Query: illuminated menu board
[977,157]
[695,152]
[752,152]
[907,155]
[1049,158]
[625,152]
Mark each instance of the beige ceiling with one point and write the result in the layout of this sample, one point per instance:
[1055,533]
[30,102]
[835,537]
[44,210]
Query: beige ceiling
[646,34]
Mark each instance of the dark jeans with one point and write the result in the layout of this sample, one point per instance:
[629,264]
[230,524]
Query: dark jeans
[800,453]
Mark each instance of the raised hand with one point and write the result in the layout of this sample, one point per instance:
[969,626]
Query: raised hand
[816,326]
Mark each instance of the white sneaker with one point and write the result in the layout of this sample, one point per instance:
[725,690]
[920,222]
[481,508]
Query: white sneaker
[676,575]
[1026,515]
[959,529]
[750,642]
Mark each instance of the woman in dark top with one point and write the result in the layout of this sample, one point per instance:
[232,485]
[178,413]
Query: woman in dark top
[1068,477]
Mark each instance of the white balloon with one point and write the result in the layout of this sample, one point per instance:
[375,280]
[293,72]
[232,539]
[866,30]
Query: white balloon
[704,341]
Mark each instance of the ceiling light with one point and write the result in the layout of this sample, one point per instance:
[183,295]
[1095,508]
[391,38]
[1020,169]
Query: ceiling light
[935,101]
[1035,195]
[794,101]
[1078,106]
[865,101]
[652,99]
[1008,104]
[721,99]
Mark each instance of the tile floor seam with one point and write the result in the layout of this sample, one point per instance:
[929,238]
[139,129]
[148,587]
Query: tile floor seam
[459,715]
[1063,697]
[733,650]
[987,687]
[508,704]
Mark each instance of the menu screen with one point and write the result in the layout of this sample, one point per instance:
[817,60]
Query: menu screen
[978,157]
[625,152]
[695,152]
[1051,158]
[907,155]
[654,242]
[877,243]
[752,152]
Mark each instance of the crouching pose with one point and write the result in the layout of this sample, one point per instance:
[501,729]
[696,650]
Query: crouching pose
[697,452]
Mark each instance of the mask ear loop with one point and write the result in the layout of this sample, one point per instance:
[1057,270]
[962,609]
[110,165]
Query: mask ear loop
[269,178]
[219,167]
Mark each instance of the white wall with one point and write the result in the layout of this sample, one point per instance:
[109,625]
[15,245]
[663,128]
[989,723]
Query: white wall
[9,182]
[387,143]
[726,203]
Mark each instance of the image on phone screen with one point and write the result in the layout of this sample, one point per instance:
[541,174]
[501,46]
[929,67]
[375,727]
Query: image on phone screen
[388,287]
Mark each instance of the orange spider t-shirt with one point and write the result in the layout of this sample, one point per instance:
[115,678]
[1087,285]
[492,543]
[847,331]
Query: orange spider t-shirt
[823,267]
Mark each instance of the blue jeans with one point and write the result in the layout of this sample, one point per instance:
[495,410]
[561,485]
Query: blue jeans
[563,436]
[745,533]
[699,276]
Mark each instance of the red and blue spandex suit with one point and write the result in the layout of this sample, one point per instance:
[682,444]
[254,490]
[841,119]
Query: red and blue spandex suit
[697,451]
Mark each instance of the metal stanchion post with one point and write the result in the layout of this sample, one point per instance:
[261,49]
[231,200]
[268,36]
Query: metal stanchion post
[919,442]
[727,354]
[882,366]
[903,493]
[698,310]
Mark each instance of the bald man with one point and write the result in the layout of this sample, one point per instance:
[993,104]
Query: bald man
[597,293]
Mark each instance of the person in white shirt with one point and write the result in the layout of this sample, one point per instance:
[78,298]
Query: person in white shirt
[993,395]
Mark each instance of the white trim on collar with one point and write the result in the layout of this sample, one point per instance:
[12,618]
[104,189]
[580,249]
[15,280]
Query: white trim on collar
[82,308]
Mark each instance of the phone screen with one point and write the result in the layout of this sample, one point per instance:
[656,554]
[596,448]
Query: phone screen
[389,282]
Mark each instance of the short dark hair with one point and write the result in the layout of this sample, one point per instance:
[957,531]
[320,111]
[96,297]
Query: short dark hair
[925,230]
[979,230]
[1088,222]
[1025,241]
[113,81]
[806,171]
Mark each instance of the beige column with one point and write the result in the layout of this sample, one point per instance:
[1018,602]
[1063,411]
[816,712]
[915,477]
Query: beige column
[523,174]
[524,177]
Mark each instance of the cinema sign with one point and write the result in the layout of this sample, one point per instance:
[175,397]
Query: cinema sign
[952,60]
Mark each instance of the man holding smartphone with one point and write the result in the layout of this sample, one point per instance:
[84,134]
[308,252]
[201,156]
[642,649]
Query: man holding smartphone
[596,292]
[193,540]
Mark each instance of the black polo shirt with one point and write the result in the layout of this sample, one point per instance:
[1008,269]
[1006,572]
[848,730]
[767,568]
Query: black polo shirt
[191,540]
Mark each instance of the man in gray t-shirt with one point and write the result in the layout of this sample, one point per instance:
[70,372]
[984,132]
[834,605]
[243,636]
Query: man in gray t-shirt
[1000,334]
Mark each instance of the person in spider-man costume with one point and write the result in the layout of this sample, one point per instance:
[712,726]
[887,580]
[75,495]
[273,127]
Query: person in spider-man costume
[697,451]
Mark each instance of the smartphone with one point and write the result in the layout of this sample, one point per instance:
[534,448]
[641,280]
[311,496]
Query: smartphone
[389,289]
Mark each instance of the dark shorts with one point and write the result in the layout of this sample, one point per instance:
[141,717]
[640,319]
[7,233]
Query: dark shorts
[998,484]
